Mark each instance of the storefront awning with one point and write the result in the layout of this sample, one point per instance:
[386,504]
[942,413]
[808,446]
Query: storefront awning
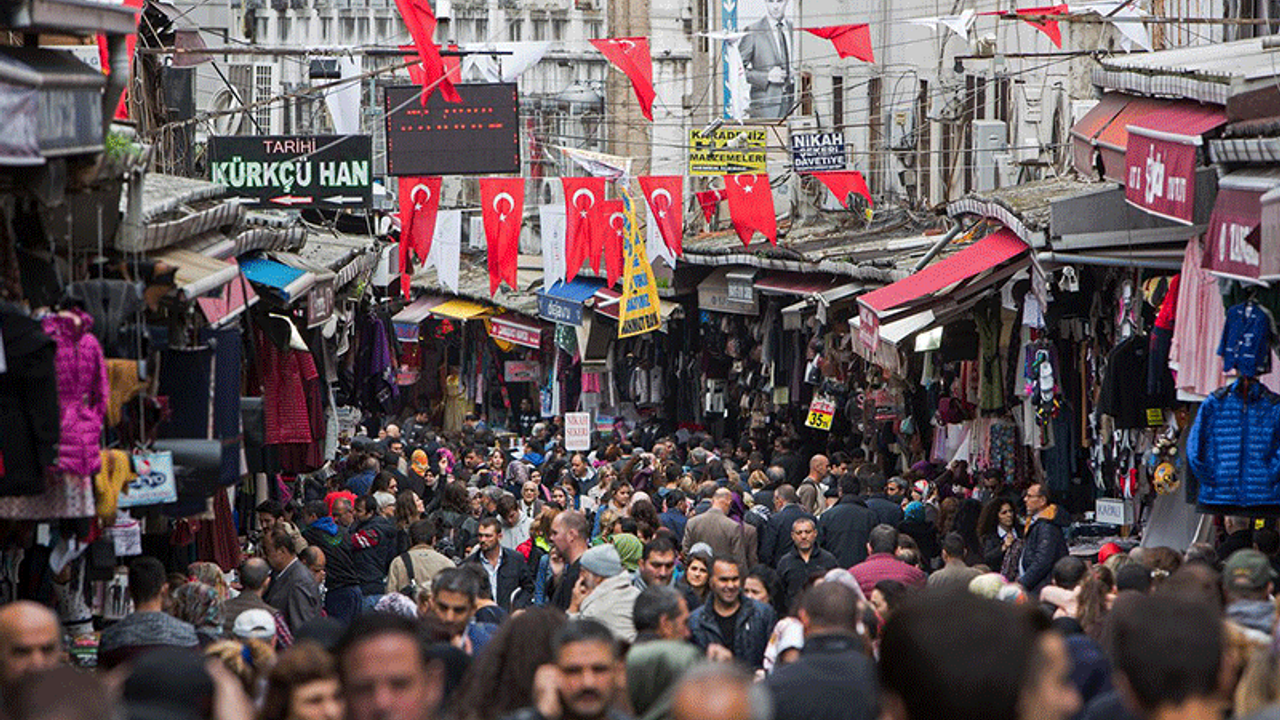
[226,304]
[1088,127]
[792,283]
[50,105]
[459,309]
[517,329]
[1101,219]
[609,302]
[197,274]
[562,302]
[1233,243]
[963,268]
[406,321]
[287,282]
[1161,159]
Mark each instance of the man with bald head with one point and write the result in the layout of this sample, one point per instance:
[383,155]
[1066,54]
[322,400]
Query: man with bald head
[30,641]
[715,528]
[720,692]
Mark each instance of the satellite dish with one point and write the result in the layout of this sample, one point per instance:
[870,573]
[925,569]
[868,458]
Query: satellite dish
[229,123]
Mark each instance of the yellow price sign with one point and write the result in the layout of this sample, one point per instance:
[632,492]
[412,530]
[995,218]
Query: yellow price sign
[822,411]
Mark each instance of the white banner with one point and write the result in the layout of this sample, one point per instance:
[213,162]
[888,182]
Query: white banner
[552,220]
[446,247]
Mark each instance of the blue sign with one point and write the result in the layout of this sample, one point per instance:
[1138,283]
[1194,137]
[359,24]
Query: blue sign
[559,310]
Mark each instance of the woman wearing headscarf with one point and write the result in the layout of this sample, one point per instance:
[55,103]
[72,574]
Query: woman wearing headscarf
[653,670]
[629,550]
[925,533]
[199,604]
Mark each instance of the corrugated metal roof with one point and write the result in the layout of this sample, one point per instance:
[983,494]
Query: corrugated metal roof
[1025,209]
[473,284]
[1208,73]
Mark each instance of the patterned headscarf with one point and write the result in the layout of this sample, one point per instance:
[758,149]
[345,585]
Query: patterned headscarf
[198,604]
[210,574]
[629,549]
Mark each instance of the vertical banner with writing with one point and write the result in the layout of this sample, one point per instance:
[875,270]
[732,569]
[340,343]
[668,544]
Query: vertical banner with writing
[577,431]
[638,311]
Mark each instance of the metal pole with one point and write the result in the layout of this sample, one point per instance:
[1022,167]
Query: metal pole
[937,247]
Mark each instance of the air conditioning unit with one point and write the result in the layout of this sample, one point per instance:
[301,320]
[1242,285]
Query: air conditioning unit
[990,137]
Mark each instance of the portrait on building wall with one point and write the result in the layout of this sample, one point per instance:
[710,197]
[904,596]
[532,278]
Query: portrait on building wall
[769,56]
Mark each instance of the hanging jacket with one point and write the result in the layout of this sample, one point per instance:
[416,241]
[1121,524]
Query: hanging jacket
[29,418]
[82,390]
[1234,447]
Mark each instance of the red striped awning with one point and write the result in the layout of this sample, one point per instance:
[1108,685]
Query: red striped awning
[991,251]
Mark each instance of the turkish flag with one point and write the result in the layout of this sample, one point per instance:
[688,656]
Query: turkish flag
[421,22]
[708,200]
[581,196]
[1048,27]
[631,56]
[851,41]
[419,203]
[502,204]
[842,183]
[751,206]
[664,193]
[610,225]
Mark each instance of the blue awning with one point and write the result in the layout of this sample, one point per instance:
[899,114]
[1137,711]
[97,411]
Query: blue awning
[562,302]
[289,282]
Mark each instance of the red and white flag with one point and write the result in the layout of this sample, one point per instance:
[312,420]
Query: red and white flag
[631,56]
[502,204]
[421,21]
[1048,27]
[751,206]
[843,183]
[611,224]
[708,200]
[664,193]
[419,203]
[851,41]
[581,196]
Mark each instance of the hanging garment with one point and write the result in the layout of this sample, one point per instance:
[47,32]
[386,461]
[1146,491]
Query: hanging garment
[113,305]
[1123,395]
[1247,337]
[284,396]
[30,423]
[67,496]
[122,376]
[991,376]
[82,390]
[115,473]
[1234,447]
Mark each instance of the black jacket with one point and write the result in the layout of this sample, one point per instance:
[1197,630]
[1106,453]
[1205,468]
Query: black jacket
[339,567]
[373,543]
[30,420]
[832,680]
[775,542]
[844,530]
[887,511]
[754,623]
[1044,545]
[926,536]
[795,572]
[513,575]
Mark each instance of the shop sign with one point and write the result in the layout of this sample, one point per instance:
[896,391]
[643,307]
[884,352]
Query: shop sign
[478,136]
[638,309]
[1233,243]
[1161,177]
[727,151]
[559,310]
[577,431]
[293,172]
[1113,511]
[868,328]
[517,334]
[822,410]
[520,371]
[817,152]
[604,424]
[155,483]
[320,303]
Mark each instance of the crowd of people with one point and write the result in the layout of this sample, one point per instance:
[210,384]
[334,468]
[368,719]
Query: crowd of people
[463,577]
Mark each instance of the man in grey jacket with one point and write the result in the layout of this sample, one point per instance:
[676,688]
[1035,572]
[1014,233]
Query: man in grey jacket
[605,593]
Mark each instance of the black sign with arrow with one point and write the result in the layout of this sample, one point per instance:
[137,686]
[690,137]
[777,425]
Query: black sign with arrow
[294,172]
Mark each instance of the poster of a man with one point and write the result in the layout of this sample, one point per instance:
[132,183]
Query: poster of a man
[768,56]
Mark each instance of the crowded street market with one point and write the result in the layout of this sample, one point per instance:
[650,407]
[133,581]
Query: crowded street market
[652,360]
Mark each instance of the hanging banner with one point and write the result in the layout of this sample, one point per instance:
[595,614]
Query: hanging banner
[868,328]
[520,371]
[729,24]
[1161,176]
[638,311]
[294,171]
[822,410]
[1233,242]
[155,483]
[727,151]
[816,152]
[577,431]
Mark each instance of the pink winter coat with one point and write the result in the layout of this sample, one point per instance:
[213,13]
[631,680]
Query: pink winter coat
[82,390]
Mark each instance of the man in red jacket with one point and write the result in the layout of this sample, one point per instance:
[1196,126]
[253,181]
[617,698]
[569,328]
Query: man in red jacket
[882,565]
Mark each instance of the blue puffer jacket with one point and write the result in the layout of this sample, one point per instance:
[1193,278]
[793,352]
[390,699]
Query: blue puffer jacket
[1234,447]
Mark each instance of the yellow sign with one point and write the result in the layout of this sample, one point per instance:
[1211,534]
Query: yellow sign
[727,151]
[638,310]
[822,410]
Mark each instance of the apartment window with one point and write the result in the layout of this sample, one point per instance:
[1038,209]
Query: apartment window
[837,101]
[539,29]
[515,28]
[595,29]
[348,29]
[482,30]
[282,27]
[326,29]
[362,29]
[558,28]
[383,26]
[261,92]
[260,28]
